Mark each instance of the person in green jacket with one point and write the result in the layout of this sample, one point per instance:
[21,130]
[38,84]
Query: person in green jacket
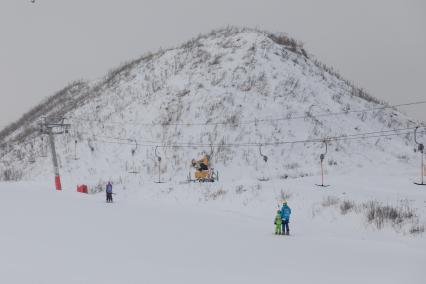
[278,223]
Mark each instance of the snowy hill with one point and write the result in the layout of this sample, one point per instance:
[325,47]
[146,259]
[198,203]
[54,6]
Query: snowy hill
[232,89]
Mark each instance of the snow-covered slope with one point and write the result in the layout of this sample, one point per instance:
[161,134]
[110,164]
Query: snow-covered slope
[239,82]
[162,234]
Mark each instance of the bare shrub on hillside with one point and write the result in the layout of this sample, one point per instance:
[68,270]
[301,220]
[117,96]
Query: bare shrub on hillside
[284,176]
[402,157]
[240,189]
[201,56]
[216,194]
[292,166]
[355,91]
[346,206]
[11,174]
[417,229]
[330,201]
[99,187]
[290,43]
[216,59]
[399,216]
[379,214]
[53,107]
[232,120]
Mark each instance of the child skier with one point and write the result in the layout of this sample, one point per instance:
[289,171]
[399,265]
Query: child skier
[109,192]
[278,223]
[285,216]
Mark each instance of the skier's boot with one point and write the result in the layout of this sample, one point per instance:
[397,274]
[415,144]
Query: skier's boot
[287,233]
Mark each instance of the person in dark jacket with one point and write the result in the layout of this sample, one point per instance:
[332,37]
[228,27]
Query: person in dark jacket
[109,192]
[285,215]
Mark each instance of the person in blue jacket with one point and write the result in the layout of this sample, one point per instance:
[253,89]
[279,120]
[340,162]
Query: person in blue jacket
[109,192]
[285,215]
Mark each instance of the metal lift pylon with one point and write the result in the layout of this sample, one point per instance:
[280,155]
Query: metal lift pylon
[52,129]
[420,148]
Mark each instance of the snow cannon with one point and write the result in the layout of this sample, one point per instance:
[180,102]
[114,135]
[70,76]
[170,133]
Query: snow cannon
[202,171]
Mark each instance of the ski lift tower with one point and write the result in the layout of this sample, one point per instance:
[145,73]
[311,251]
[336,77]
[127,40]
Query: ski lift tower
[51,128]
[420,148]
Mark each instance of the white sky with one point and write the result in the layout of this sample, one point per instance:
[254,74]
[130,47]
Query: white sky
[379,44]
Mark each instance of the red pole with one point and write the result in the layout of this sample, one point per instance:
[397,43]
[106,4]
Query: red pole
[58,183]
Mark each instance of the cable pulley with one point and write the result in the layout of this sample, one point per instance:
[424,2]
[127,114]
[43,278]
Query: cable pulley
[322,156]
[156,154]
[420,145]
[265,158]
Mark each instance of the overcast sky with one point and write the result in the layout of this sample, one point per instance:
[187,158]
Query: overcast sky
[379,44]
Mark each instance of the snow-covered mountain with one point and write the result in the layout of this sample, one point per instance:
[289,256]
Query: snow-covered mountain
[232,89]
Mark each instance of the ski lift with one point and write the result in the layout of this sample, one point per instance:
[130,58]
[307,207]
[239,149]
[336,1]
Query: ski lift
[136,147]
[265,159]
[159,165]
[322,157]
[133,169]
[75,150]
[420,148]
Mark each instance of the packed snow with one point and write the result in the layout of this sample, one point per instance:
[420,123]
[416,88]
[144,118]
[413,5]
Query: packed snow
[210,233]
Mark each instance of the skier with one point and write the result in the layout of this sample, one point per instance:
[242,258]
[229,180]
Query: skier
[278,223]
[109,192]
[285,216]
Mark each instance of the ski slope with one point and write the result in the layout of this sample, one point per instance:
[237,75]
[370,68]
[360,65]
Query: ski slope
[209,233]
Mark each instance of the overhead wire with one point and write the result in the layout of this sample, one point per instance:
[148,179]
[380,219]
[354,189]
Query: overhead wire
[365,135]
[253,121]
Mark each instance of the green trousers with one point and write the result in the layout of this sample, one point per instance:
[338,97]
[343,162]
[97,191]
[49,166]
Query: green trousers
[278,230]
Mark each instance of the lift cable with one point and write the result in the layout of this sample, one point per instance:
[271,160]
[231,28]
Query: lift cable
[359,136]
[254,121]
[278,142]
